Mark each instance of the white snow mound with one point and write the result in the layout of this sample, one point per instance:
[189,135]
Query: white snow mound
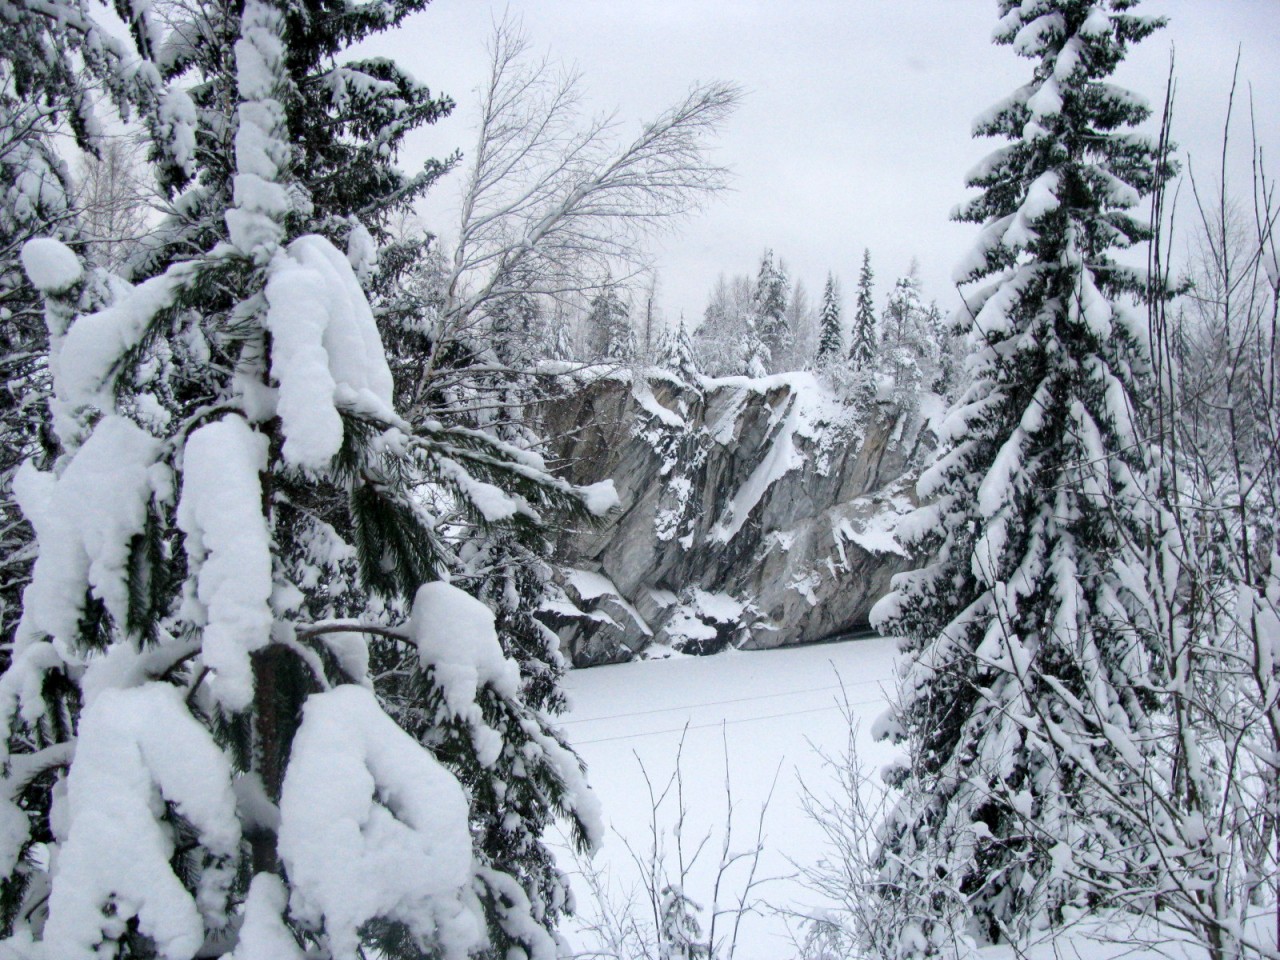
[84,522]
[229,550]
[371,825]
[456,638]
[326,349]
[136,748]
[50,265]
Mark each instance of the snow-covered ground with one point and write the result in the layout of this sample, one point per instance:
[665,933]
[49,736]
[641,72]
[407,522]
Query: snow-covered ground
[768,712]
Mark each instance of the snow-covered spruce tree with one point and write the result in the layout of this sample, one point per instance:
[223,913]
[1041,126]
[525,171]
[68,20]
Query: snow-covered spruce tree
[609,332]
[559,345]
[243,712]
[862,346]
[901,321]
[488,385]
[757,359]
[677,355]
[346,121]
[55,61]
[948,353]
[770,302]
[910,340]
[830,336]
[1024,600]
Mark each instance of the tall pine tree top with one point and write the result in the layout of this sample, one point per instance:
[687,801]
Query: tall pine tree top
[830,336]
[347,117]
[1025,606]
[863,341]
[1070,174]
[770,300]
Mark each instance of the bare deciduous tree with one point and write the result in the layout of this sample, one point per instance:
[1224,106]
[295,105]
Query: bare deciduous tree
[659,920]
[113,201]
[551,202]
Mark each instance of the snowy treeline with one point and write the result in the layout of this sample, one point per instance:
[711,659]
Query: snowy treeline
[894,355]
[766,325]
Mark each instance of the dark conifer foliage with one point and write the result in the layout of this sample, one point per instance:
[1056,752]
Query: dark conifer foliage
[346,117]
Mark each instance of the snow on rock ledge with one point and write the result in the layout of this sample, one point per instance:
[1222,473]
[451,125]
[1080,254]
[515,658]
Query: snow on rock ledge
[754,512]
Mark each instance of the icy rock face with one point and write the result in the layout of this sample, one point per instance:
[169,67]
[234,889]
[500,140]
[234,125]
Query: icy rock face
[754,513]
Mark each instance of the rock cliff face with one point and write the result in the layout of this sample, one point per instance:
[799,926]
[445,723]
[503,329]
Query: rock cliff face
[754,513]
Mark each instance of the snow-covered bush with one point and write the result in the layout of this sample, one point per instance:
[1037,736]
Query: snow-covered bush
[659,919]
[855,917]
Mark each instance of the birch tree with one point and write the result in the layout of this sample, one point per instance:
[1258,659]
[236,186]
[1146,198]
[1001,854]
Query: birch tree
[552,203]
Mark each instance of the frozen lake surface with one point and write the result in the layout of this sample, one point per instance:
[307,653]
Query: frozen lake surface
[766,714]
[763,714]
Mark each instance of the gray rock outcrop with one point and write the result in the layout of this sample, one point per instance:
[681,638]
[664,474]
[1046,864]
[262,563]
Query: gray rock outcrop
[754,513]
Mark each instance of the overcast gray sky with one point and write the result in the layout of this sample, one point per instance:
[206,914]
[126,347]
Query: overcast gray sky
[855,127]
